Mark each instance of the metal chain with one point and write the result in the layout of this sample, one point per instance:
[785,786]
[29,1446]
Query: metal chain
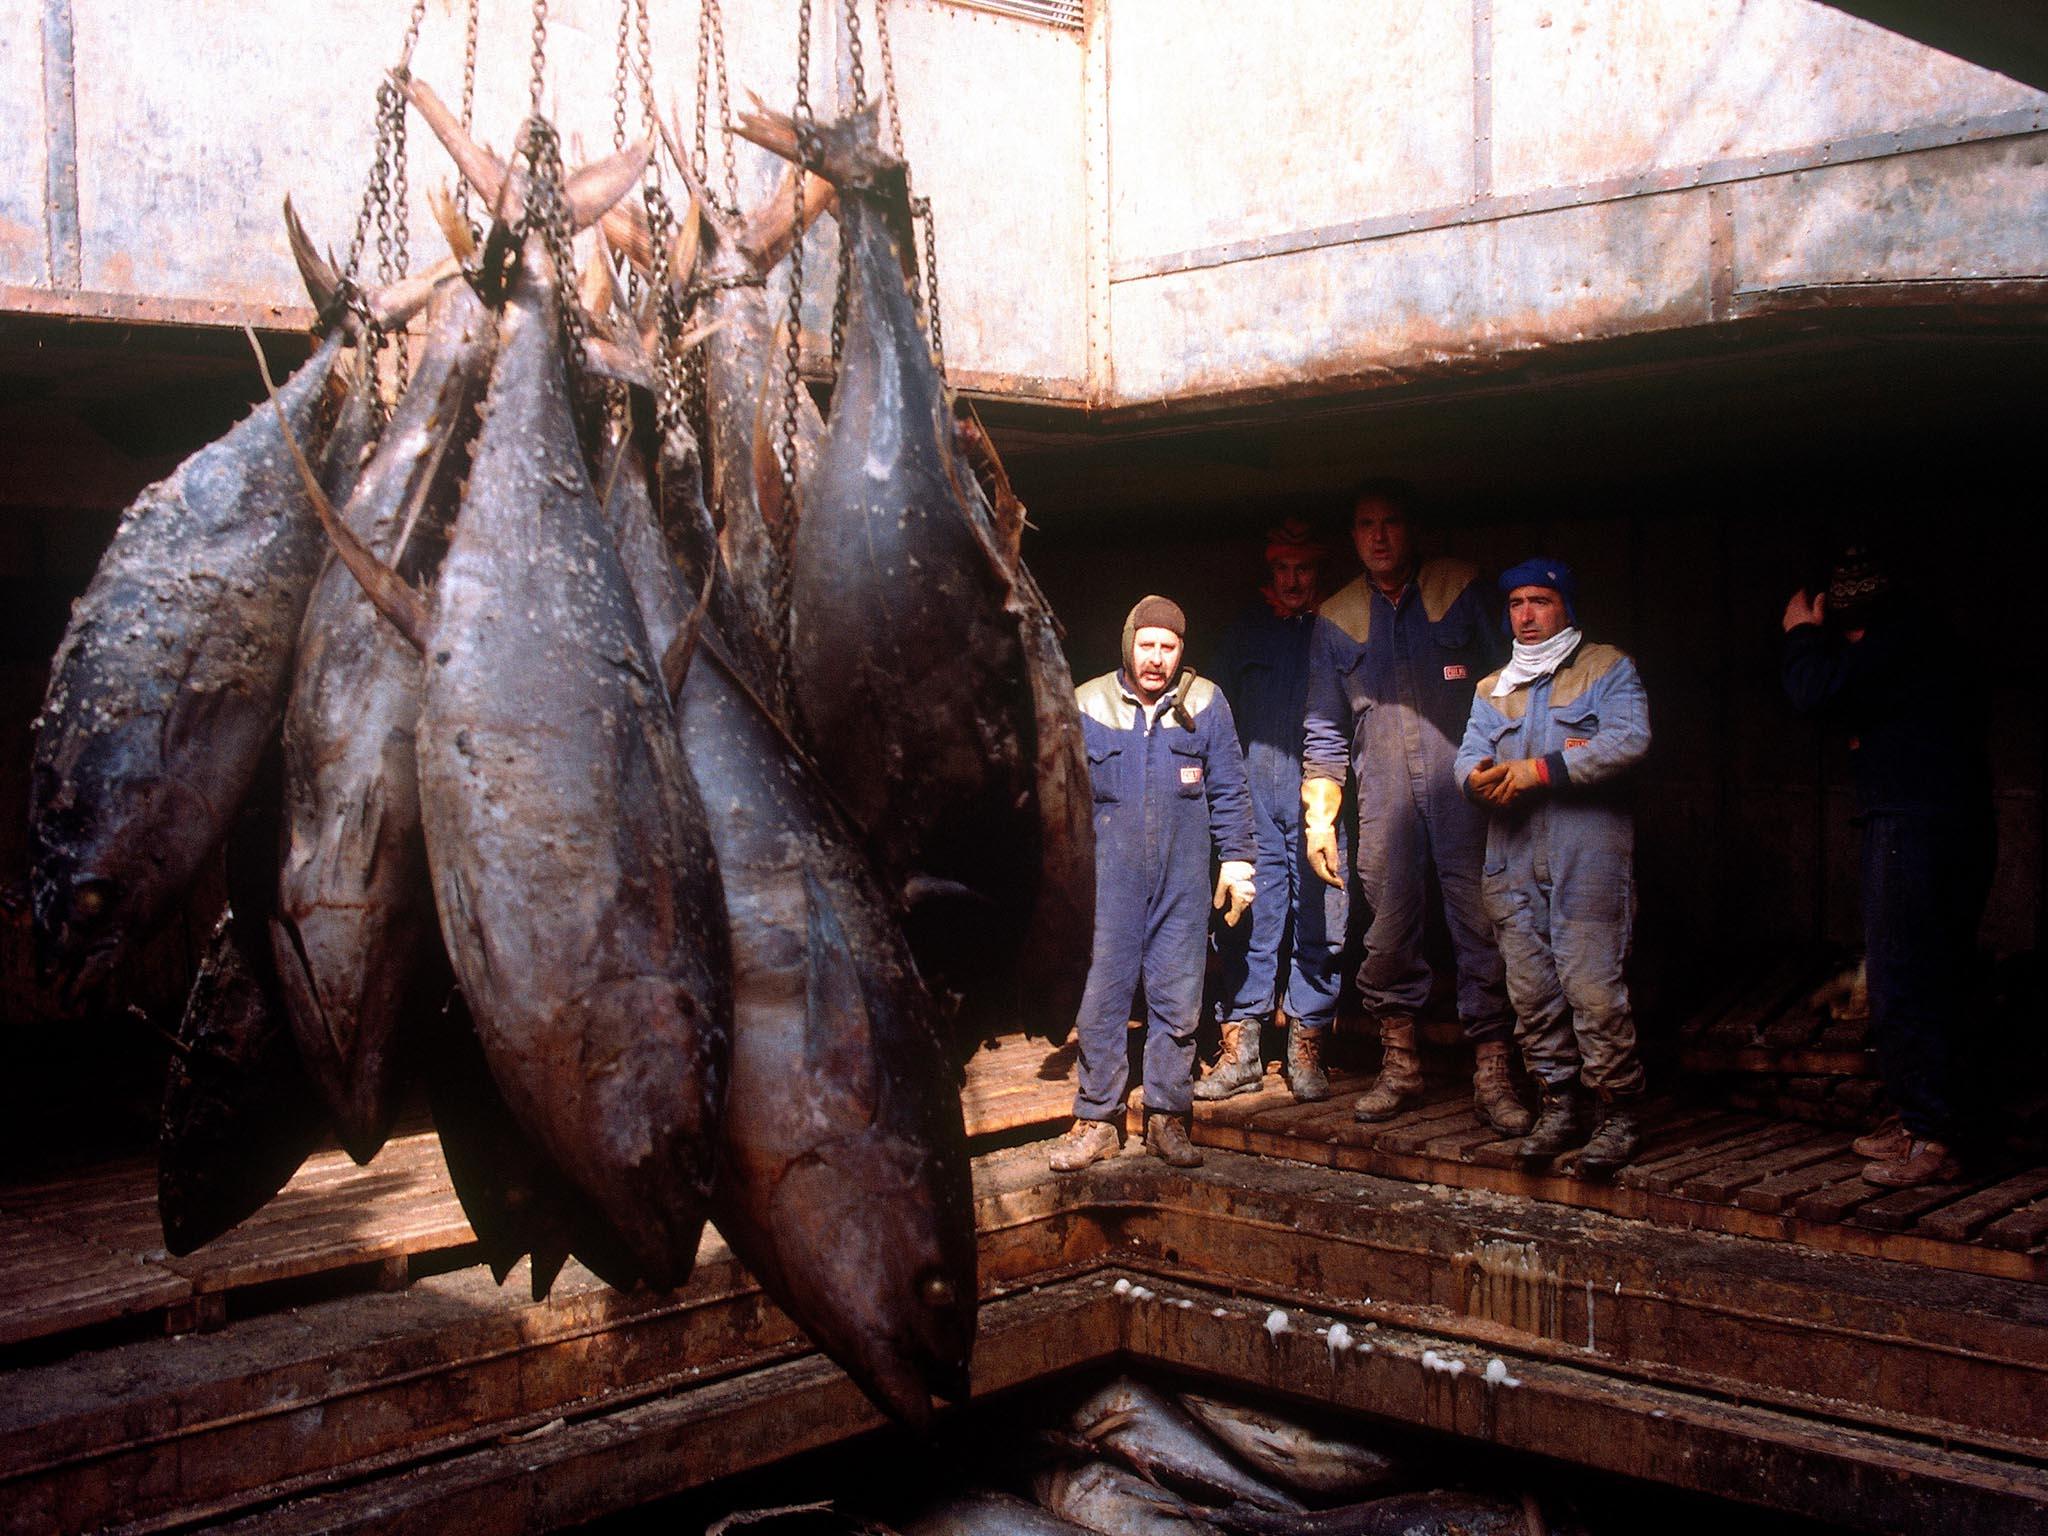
[855,55]
[539,59]
[792,379]
[620,66]
[547,213]
[921,208]
[725,134]
[700,150]
[670,396]
[889,99]
[468,103]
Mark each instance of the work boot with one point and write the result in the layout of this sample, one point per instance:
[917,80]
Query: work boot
[1615,1139]
[1557,1123]
[1400,1081]
[1922,1162]
[1493,1091]
[1086,1141]
[1888,1142]
[1305,1075]
[1238,1069]
[1166,1138]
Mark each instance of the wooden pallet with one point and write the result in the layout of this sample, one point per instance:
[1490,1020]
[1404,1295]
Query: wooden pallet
[86,1251]
[1700,1167]
[1769,1024]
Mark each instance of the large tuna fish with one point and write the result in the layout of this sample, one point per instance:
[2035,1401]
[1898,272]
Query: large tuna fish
[353,932]
[1149,1431]
[1303,1458]
[844,1186]
[169,681]
[927,674]
[239,1112]
[575,881]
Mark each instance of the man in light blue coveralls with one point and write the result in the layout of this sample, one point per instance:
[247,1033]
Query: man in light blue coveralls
[1169,782]
[1552,738]
[1263,667]
[1391,670]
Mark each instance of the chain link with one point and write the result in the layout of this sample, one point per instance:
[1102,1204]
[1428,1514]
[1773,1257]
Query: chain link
[547,214]
[539,60]
[469,32]
[620,66]
[921,209]
[855,57]
[925,295]
[792,378]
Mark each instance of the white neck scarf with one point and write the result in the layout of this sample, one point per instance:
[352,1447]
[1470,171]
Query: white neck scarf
[1533,661]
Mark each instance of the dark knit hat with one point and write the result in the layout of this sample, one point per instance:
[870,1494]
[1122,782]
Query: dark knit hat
[1153,613]
[1542,571]
[1293,539]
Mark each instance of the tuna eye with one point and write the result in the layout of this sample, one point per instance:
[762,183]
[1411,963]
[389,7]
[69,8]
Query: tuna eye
[936,1291]
[91,899]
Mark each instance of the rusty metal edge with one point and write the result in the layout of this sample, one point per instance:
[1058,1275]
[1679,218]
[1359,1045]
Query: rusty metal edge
[139,309]
[2020,123]
[60,146]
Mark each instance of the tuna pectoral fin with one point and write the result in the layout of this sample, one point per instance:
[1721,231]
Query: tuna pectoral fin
[385,588]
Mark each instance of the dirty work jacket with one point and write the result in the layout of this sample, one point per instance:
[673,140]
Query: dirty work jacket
[1263,667]
[1560,885]
[1389,689]
[1164,794]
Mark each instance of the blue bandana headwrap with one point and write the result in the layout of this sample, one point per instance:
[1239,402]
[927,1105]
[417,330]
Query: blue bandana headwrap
[1541,571]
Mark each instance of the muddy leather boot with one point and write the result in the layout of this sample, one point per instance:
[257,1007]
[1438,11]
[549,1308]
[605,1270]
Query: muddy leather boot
[1166,1138]
[1921,1162]
[1238,1069]
[1616,1138]
[1305,1075]
[1400,1081]
[1557,1123]
[1086,1141]
[1493,1091]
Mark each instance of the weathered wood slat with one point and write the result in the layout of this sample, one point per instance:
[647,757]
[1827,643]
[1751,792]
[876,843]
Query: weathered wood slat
[1900,1209]
[1780,1191]
[1963,1220]
[2021,1232]
[1834,1202]
[1719,1184]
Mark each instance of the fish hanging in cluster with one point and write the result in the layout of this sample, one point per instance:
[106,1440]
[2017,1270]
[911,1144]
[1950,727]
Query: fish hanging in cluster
[680,877]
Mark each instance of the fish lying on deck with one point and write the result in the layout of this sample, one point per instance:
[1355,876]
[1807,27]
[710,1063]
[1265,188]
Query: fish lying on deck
[1145,1428]
[1306,1460]
[1113,1502]
[927,675]
[574,878]
[987,1512]
[353,933]
[167,687]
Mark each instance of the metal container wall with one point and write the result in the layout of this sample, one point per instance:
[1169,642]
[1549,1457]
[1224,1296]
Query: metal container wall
[1191,200]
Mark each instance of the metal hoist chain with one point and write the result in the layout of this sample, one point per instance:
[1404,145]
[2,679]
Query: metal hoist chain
[710,58]
[792,379]
[547,213]
[469,32]
[539,60]
[920,207]
[844,287]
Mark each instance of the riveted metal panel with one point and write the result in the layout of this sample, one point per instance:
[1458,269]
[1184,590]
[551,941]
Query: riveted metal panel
[993,125]
[1415,303]
[1586,89]
[1230,121]
[1976,211]
[24,244]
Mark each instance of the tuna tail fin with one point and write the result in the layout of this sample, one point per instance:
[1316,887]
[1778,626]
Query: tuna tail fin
[722,226]
[386,589]
[454,228]
[771,232]
[593,189]
[317,272]
[849,152]
[479,167]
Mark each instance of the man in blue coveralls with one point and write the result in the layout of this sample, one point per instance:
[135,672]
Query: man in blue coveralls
[1169,781]
[1552,738]
[1391,671]
[1263,666]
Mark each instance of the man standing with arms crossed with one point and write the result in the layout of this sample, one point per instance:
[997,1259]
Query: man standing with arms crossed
[1169,781]
[1391,672]
[1263,666]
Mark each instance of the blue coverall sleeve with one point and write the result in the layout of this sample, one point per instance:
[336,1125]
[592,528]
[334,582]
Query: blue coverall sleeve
[1326,728]
[1623,709]
[1477,747]
[1230,795]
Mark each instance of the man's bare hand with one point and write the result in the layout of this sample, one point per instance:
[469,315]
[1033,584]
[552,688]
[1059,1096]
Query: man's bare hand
[1480,783]
[1802,609]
